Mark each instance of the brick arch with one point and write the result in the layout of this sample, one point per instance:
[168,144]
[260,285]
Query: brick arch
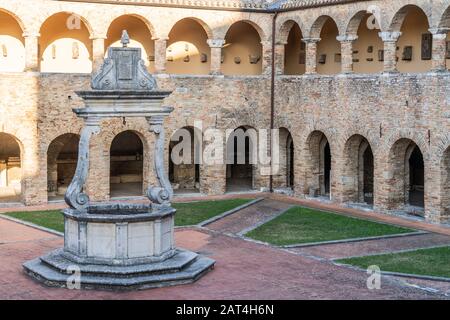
[397,135]
[208,30]
[147,22]
[353,23]
[444,21]
[399,17]
[255,25]
[16,18]
[369,134]
[285,27]
[50,15]
[316,27]
[14,135]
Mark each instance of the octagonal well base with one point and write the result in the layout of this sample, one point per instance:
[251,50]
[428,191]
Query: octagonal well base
[56,270]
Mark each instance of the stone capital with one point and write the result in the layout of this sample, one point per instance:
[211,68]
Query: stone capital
[389,36]
[311,40]
[439,32]
[215,43]
[346,38]
[98,37]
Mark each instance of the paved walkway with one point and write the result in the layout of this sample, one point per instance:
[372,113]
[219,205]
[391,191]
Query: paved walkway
[244,269]
[250,217]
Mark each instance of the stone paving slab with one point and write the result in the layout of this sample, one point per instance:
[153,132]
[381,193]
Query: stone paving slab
[244,270]
[249,217]
[372,247]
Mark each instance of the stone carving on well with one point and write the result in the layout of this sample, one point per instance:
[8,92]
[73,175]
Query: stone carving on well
[120,245]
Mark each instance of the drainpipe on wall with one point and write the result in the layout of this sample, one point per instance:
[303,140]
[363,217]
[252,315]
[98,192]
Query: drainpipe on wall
[272,97]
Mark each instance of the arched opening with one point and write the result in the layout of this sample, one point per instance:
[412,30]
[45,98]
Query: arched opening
[184,156]
[328,49]
[12,44]
[140,37]
[406,177]
[445,24]
[284,178]
[318,165]
[187,49]
[368,48]
[414,46]
[242,52]
[126,165]
[62,156]
[295,52]
[358,171]
[64,45]
[10,169]
[241,159]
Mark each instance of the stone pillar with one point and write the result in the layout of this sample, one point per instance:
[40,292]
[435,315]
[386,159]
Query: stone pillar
[31,51]
[216,55]
[390,50]
[346,52]
[279,57]
[266,58]
[311,55]
[160,55]
[98,51]
[438,62]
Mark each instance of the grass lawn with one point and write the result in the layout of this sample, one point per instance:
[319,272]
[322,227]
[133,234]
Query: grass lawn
[430,262]
[301,225]
[187,213]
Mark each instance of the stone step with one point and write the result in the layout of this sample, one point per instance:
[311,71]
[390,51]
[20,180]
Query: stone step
[51,277]
[58,261]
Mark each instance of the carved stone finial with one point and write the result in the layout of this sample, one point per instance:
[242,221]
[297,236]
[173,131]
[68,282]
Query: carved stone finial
[125,40]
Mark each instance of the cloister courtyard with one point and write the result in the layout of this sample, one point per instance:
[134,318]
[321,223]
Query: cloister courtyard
[253,258]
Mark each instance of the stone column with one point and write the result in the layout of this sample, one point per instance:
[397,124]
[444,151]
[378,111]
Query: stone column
[98,51]
[266,59]
[31,51]
[438,62]
[216,55]
[311,55]
[346,52]
[390,50]
[160,55]
[279,57]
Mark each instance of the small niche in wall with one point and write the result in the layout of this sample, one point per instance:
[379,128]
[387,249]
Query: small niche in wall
[322,58]
[407,53]
[253,59]
[426,49]
[4,50]
[170,58]
[203,58]
[356,60]
[222,57]
[302,46]
[380,55]
[151,58]
[75,50]
[369,49]
[53,51]
[369,59]
[237,60]
[187,58]
[337,57]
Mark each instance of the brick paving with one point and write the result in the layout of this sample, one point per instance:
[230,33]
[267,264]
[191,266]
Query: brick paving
[244,270]
[249,217]
[379,246]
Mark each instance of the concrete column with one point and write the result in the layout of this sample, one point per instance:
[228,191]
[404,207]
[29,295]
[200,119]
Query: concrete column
[346,52]
[266,57]
[390,50]
[216,55]
[98,51]
[438,62]
[31,51]
[160,55]
[279,57]
[311,55]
